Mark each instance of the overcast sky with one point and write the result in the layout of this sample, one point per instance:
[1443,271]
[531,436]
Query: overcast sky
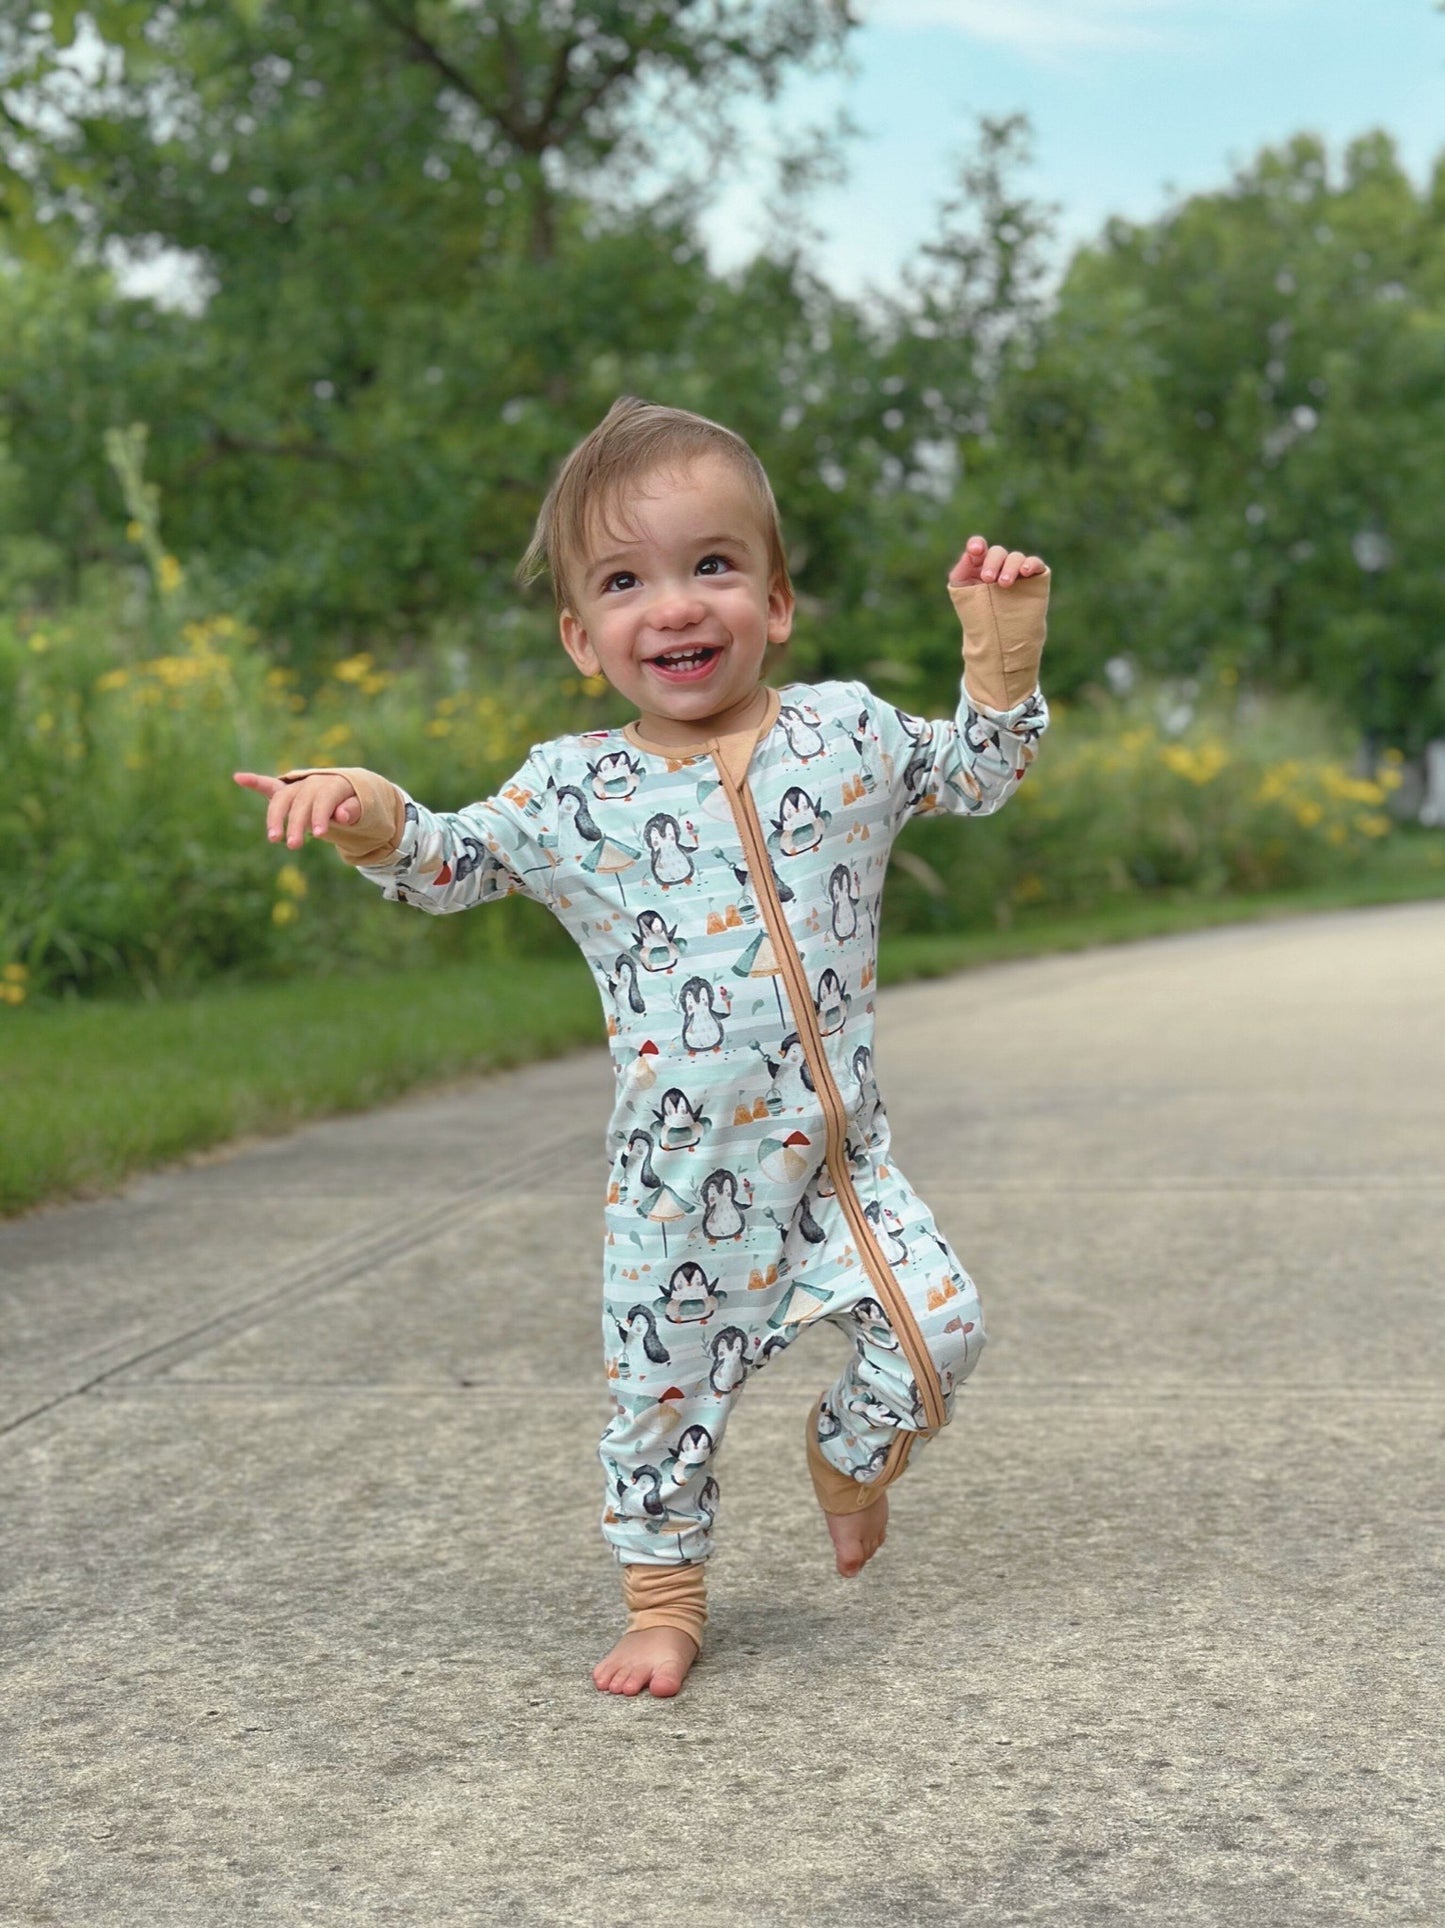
[1128,99]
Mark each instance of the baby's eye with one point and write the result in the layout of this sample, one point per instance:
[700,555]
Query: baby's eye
[721,561]
[620,579]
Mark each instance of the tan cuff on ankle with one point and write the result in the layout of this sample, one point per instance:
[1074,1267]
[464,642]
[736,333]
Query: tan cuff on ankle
[375,837]
[839,1494]
[667,1596]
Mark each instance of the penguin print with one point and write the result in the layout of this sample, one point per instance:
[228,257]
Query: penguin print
[656,943]
[740,1159]
[625,970]
[886,1222]
[637,1157]
[803,1233]
[671,857]
[604,856]
[690,1297]
[871,1323]
[831,1003]
[800,823]
[869,1102]
[729,1351]
[919,767]
[641,1499]
[800,724]
[707,1503]
[843,891]
[723,1208]
[679,1127]
[701,1028]
[872,1466]
[745,883]
[639,1320]
[693,1451]
[793,1060]
[614,777]
[979,734]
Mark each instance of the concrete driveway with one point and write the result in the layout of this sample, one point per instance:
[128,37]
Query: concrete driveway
[300,1580]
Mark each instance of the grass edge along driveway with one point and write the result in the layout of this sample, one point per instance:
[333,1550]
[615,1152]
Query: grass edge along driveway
[93,1092]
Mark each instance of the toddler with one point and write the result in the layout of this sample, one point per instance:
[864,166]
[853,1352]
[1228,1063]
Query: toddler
[720,862]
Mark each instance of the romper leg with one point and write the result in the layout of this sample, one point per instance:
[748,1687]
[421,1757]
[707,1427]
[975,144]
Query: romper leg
[862,1431]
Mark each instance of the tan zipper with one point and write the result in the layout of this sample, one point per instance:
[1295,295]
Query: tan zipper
[892,1295]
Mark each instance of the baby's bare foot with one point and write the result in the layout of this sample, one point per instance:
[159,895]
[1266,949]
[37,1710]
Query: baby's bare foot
[657,1657]
[858,1536]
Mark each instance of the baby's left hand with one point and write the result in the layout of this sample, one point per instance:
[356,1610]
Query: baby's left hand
[980,563]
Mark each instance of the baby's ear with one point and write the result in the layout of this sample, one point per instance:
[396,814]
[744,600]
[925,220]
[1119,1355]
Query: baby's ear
[577,645]
[780,611]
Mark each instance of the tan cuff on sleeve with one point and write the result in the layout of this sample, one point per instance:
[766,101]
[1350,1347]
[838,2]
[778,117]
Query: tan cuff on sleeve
[667,1596]
[375,837]
[835,1491]
[1003,638]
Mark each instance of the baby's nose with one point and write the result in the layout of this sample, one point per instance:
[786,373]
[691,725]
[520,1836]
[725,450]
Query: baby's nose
[674,610]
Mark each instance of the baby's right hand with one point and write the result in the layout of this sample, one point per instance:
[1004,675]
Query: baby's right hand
[314,800]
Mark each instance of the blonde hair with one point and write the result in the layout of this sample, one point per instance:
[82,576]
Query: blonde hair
[634,439]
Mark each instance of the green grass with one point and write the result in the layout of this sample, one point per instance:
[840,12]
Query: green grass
[93,1092]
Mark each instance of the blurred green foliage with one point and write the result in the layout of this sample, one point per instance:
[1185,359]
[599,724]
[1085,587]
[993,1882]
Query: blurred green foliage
[436,242]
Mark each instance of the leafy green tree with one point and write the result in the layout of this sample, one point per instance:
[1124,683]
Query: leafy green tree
[1233,434]
[431,246]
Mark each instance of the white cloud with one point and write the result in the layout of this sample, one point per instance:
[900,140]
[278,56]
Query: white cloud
[1043,27]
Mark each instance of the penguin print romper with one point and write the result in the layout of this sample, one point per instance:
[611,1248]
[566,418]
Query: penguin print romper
[726,896]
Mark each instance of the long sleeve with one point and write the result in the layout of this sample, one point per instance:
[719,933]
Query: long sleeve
[970,765]
[444,861]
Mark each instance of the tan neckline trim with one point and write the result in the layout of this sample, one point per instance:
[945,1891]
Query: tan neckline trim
[700,744]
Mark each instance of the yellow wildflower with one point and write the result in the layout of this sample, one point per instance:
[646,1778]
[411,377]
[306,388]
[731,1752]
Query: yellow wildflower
[1337,834]
[45,722]
[284,912]
[170,574]
[333,738]
[277,679]
[114,679]
[353,668]
[1307,815]
[290,881]
[1029,888]
[134,531]
[594,685]
[373,685]
[39,643]
[1374,825]
[439,726]
[15,973]
[296,702]
[11,994]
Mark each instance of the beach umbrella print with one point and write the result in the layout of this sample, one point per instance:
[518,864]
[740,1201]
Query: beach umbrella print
[609,858]
[666,1208]
[761,960]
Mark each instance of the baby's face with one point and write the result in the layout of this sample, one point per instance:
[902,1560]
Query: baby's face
[673,604]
